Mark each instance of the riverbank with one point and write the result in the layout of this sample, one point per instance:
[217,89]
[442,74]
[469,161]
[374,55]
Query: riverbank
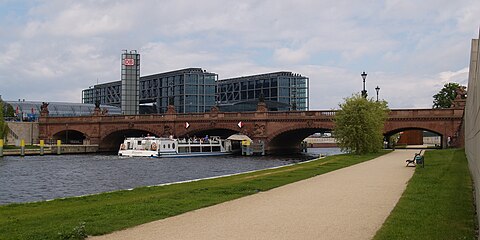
[438,202]
[349,203]
[51,150]
[104,213]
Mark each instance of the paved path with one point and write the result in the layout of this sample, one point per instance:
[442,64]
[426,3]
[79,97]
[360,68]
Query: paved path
[350,203]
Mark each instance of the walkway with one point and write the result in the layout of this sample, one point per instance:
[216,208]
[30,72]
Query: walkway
[350,203]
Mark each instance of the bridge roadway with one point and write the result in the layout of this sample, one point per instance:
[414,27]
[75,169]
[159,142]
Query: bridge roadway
[278,130]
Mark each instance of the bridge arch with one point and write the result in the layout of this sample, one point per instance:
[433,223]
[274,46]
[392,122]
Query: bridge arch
[392,132]
[288,139]
[70,136]
[397,130]
[222,132]
[112,139]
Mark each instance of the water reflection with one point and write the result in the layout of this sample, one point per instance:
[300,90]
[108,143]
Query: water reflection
[35,178]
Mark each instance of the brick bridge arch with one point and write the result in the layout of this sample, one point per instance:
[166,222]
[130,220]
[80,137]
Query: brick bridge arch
[444,122]
[69,135]
[397,130]
[289,136]
[113,137]
[279,130]
[212,128]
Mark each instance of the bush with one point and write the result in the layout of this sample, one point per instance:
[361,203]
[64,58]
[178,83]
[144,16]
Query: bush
[359,124]
[78,233]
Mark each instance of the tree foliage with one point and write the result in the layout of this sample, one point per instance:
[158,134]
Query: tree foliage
[359,124]
[6,110]
[445,97]
[3,125]
[9,111]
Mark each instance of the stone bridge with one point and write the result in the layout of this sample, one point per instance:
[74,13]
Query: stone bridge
[279,130]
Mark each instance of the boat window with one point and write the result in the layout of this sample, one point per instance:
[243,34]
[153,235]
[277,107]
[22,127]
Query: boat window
[169,145]
[163,145]
[173,145]
[139,143]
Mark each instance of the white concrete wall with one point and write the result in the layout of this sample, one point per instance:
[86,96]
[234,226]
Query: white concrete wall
[320,140]
[27,131]
[432,140]
[472,120]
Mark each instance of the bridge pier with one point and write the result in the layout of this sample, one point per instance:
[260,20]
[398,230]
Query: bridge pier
[281,132]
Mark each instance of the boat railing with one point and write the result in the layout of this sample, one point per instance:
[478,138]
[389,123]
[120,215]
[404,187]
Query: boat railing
[198,141]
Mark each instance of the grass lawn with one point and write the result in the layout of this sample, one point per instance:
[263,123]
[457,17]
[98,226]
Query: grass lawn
[438,202]
[104,213]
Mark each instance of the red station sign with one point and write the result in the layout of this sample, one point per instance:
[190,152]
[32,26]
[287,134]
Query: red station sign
[128,61]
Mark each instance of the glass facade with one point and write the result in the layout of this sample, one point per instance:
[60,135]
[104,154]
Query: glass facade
[289,89]
[130,79]
[107,93]
[191,90]
[31,110]
[196,90]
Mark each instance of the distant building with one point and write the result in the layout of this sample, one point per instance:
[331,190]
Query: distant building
[130,77]
[30,110]
[191,90]
[282,91]
[196,90]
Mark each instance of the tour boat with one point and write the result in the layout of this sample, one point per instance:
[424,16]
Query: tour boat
[139,147]
[170,147]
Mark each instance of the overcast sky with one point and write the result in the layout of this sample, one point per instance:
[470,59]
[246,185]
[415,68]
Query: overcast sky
[51,50]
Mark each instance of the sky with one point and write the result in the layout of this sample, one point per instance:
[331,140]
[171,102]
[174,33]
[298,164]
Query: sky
[51,50]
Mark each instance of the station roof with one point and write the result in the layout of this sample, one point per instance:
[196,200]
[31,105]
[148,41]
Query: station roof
[60,108]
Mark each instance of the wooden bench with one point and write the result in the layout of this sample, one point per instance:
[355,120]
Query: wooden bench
[417,159]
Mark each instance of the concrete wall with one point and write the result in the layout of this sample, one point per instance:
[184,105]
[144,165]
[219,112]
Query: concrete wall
[432,140]
[22,130]
[321,142]
[76,149]
[53,150]
[472,120]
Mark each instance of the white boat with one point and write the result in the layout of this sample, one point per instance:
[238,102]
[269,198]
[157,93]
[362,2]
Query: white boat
[139,147]
[170,147]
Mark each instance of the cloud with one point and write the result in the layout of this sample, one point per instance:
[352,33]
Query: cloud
[158,56]
[81,19]
[460,76]
[54,49]
[286,55]
[12,52]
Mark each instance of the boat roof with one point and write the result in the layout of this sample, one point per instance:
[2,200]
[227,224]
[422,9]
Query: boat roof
[239,137]
[147,138]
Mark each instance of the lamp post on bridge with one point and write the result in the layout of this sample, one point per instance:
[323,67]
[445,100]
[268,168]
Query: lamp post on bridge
[378,90]
[364,92]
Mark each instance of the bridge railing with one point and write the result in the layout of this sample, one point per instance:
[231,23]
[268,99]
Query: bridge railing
[247,115]
[395,113]
[448,112]
[190,115]
[303,114]
[193,116]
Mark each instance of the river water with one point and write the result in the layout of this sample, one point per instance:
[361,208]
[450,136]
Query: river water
[37,178]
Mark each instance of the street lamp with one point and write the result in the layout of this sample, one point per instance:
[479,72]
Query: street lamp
[377,89]
[364,92]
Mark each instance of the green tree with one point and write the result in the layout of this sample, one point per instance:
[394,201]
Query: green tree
[359,124]
[445,97]
[9,111]
[3,125]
